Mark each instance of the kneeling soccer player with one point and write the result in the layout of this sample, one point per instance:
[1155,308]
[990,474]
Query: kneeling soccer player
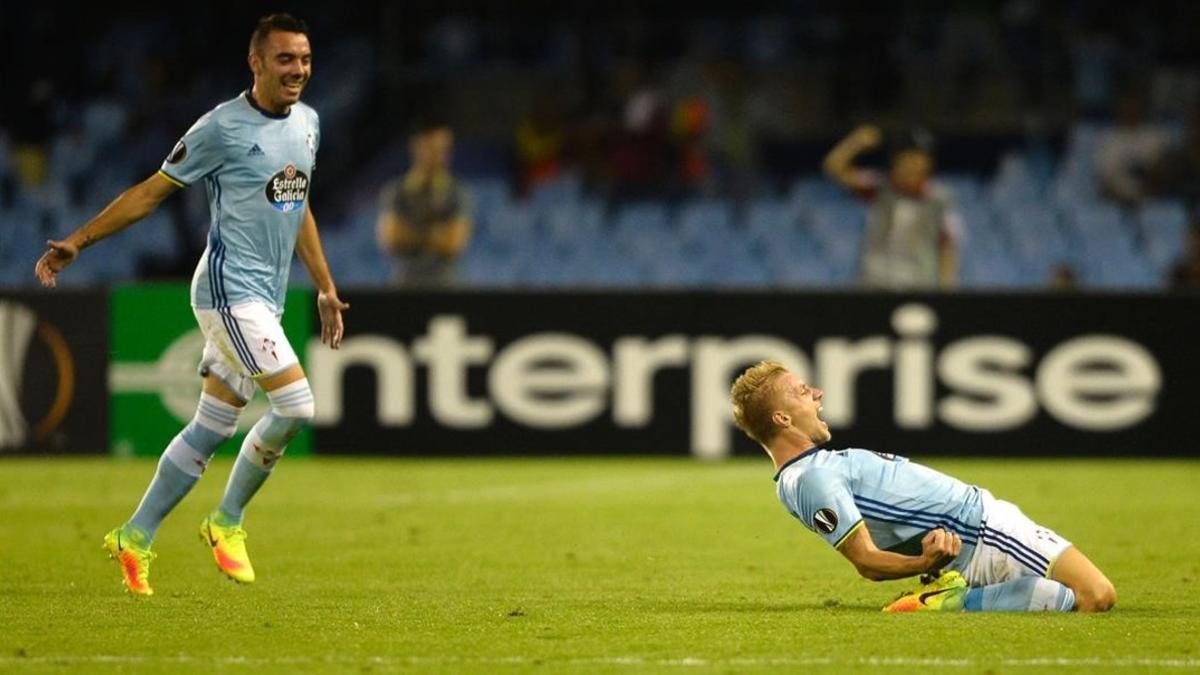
[893,518]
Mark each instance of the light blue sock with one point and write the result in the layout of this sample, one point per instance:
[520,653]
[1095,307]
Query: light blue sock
[245,480]
[261,450]
[169,485]
[181,465]
[1026,594]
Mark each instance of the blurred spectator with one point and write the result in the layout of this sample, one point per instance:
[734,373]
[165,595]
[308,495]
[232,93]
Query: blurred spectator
[1178,173]
[639,160]
[1186,274]
[32,132]
[1129,155]
[540,144]
[1063,278]
[690,123]
[425,215]
[912,226]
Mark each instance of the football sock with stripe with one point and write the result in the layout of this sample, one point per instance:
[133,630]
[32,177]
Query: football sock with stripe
[181,465]
[1026,594]
[291,408]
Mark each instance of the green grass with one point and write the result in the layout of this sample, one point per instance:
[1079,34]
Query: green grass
[616,565]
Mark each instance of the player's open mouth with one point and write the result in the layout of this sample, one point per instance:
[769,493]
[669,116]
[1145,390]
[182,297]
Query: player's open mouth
[293,86]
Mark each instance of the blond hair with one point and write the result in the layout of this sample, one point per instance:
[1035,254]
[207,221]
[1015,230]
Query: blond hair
[751,394]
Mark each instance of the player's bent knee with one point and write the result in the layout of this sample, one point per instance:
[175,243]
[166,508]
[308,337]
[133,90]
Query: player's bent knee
[293,401]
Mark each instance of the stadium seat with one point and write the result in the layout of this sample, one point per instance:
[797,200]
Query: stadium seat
[964,188]
[487,194]
[703,218]
[573,225]
[810,191]
[839,229]
[768,218]
[1162,227]
[1037,239]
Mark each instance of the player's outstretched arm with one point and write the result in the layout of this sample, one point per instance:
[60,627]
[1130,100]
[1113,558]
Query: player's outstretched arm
[329,306]
[938,548]
[839,163]
[131,206]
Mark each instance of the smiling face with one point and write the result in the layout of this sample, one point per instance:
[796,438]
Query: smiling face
[282,65]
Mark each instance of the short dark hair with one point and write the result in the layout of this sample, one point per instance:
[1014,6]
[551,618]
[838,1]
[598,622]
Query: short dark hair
[275,22]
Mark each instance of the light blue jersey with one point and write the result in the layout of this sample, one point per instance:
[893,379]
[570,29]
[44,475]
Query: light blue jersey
[834,492]
[257,168]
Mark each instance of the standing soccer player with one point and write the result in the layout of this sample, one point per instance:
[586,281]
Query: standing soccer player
[255,154]
[892,518]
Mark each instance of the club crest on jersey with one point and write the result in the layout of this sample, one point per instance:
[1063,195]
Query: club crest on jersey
[287,189]
[825,520]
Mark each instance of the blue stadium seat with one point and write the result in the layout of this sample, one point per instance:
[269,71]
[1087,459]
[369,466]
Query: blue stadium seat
[839,230]
[1103,237]
[488,194]
[704,218]
[1121,271]
[768,218]
[565,190]
[803,270]
[981,269]
[1014,182]
[643,230]
[980,230]
[812,190]
[1163,229]
[965,188]
[508,226]
[481,268]
[154,237]
[580,219]
[1037,239]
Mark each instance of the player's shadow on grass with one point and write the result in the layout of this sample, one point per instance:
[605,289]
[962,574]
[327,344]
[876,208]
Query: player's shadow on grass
[750,607]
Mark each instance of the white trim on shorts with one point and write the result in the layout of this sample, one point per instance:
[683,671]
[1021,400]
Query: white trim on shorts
[1010,545]
[243,344]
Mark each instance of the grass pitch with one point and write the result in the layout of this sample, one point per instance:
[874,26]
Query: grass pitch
[608,565]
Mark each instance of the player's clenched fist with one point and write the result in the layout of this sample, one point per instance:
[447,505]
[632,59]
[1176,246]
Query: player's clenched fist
[939,547]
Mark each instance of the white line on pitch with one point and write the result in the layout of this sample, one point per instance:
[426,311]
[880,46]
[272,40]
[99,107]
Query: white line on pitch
[681,662]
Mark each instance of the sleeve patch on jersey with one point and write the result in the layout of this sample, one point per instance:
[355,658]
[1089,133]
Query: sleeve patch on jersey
[825,521]
[177,154]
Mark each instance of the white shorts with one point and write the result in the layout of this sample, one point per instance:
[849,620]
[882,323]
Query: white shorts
[1011,545]
[243,344]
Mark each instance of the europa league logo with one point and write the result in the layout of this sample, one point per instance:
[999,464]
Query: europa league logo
[19,326]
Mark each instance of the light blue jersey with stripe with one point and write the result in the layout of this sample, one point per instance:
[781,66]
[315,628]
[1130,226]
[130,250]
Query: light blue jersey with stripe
[833,492]
[257,168]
